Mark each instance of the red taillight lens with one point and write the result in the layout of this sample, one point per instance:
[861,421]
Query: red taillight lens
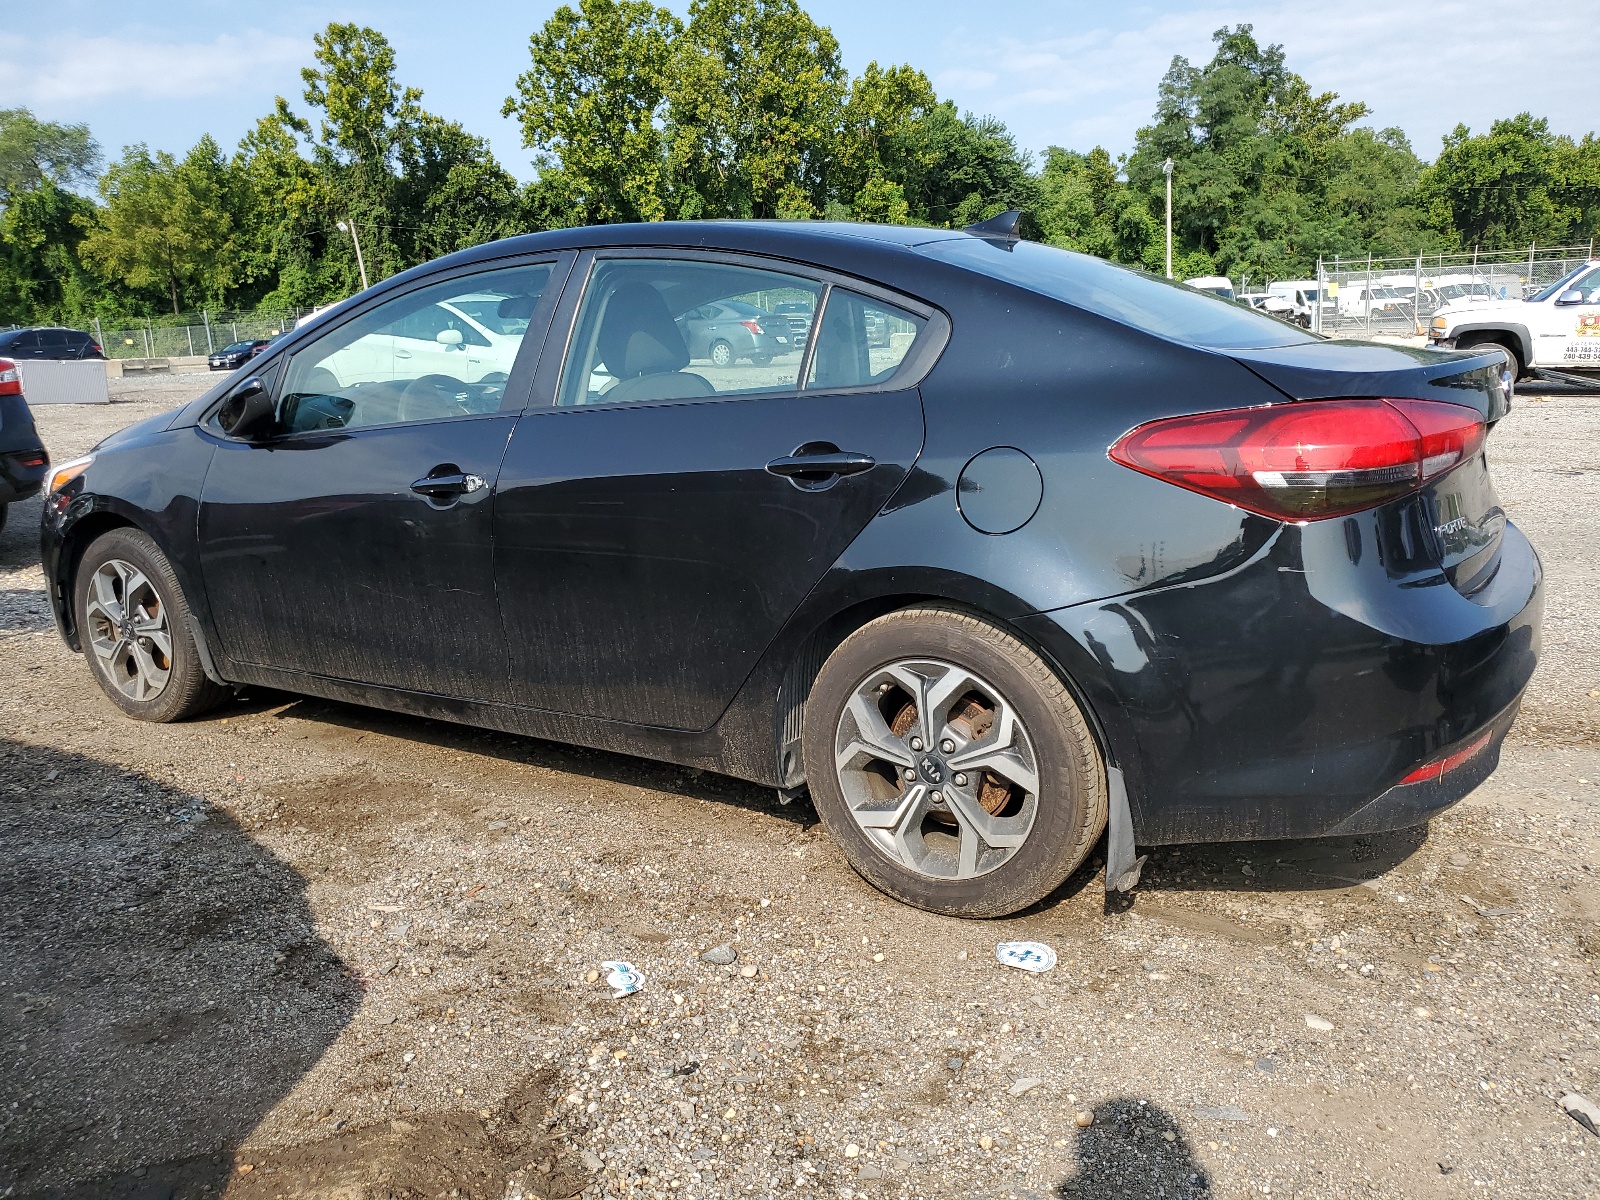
[1441,766]
[1306,460]
[10,378]
[753,325]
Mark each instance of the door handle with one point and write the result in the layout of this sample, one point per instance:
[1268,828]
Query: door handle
[454,483]
[402,353]
[821,466]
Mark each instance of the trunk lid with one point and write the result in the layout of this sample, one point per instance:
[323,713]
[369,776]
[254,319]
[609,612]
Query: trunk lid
[1455,522]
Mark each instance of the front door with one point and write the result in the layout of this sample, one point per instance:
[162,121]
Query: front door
[660,522]
[355,541]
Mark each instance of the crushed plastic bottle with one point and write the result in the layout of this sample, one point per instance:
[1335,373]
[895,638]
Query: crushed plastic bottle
[623,978]
[1033,957]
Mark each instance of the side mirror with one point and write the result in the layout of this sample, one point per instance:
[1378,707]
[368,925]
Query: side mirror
[450,339]
[248,411]
[1570,296]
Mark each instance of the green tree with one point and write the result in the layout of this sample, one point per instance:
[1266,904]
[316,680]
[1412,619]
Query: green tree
[962,169]
[590,103]
[878,154]
[35,154]
[165,224]
[753,111]
[1505,188]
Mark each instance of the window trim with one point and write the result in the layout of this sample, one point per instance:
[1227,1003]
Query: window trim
[914,368]
[520,379]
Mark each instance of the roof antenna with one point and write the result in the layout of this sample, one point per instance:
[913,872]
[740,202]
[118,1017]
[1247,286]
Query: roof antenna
[1006,225]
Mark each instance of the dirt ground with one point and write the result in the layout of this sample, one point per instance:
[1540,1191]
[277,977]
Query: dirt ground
[301,949]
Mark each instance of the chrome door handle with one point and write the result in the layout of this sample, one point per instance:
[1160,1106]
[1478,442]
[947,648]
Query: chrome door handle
[457,483]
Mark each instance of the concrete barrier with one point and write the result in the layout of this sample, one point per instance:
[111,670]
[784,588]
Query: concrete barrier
[48,382]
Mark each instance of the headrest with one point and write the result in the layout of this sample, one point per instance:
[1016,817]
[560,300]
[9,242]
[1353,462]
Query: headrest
[516,308]
[638,335]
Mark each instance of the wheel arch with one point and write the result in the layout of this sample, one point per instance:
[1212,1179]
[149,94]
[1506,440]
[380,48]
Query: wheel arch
[1513,337]
[75,541]
[829,632]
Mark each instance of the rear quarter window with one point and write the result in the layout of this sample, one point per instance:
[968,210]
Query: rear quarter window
[1158,306]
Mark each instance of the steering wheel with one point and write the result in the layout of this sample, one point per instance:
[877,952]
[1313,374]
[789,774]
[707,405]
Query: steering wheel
[430,396]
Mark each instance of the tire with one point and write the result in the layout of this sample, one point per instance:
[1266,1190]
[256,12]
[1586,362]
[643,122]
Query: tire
[925,850]
[761,360]
[127,657]
[721,354]
[4,508]
[1518,367]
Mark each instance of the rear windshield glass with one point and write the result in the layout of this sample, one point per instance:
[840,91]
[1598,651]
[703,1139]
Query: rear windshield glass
[1157,306]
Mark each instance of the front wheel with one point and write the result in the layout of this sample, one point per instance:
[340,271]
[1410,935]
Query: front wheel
[1517,366]
[951,764]
[133,623]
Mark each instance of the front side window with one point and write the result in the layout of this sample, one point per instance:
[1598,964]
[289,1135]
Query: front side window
[674,328]
[421,356]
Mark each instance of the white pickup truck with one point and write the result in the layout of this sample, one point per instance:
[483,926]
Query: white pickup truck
[1557,327]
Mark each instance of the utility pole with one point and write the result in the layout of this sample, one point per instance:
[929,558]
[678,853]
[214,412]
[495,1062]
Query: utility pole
[1166,167]
[350,228]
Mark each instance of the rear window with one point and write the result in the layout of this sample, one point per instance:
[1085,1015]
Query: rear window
[1159,306]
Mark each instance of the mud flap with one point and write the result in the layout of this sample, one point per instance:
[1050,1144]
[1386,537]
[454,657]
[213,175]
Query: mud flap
[1123,865]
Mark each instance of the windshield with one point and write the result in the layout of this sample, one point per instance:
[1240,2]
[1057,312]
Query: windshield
[1158,306]
[1559,285]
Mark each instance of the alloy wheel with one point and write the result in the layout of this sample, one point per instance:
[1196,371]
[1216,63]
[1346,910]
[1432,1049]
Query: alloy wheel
[128,630]
[721,354]
[937,769]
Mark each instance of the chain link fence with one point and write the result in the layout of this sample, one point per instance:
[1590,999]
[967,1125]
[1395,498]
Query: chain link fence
[201,334]
[1398,296]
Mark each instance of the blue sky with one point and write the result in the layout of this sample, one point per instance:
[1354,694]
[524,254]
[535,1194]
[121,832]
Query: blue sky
[1056,71]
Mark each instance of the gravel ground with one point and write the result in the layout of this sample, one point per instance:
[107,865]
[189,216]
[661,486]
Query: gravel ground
[304,949]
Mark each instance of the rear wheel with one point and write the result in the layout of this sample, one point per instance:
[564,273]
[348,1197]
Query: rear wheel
[951,764]
[721,354]
[133,623]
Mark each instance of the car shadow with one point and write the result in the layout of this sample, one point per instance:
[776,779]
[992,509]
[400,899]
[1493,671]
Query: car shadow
[162,986]
[521,749]
[1133,1148]
[19,540]
[1300,865]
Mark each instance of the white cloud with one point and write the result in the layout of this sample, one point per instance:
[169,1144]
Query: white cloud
[68,73]
[1423,67]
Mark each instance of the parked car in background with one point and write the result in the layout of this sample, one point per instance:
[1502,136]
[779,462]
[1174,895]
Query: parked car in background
[1303,295]
[231,358]
[728,330]
[51,343]
[1358,299]
[798,314]
[1266,302]
[1217,285]
[23,460]
[1298,609]
[1558,326]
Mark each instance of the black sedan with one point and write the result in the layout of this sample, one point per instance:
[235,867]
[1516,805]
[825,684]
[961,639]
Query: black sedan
[22,455]
[1024,549]
[234,356]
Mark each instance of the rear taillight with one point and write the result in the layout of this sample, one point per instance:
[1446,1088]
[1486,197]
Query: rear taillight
[753,326]
[1310,459]
[31,458]
[10,378]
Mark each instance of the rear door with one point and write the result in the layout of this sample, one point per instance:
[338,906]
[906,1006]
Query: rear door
[662,516]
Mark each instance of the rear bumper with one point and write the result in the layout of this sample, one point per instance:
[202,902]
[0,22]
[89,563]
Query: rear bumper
[22,473]
[1290,697]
